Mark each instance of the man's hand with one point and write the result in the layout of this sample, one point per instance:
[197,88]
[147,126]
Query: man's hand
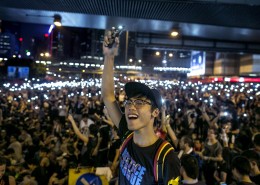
[70,118]
[107,39]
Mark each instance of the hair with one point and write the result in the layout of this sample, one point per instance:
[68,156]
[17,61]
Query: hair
[190,165]
[241,164]
[44,149]
[93,129]
[85,115]
[2,161]
[187,139]
[252,155]
[32,161]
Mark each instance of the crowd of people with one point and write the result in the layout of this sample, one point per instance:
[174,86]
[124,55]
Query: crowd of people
[45,130]
[148,132]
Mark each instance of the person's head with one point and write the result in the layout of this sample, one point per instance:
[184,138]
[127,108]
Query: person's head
[85,117]
[240,167]
[186,142]
[93,129]
[2,166]
[3,133]
[254,160]
[226,126]
[142,106]
[32,163]
[197,145]
[43,151]
[13,138]
[212,134]
[189,166]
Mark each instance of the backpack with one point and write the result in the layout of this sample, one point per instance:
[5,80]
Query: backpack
[158,162]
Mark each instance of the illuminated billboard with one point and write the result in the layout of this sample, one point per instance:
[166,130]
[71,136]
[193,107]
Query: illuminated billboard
[197,64]
[17,72]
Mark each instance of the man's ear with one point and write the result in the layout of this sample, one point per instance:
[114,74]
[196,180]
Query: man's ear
[155,112]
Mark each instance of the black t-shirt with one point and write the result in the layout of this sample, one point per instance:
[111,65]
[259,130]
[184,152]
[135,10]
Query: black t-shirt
[136,163]
[104,134]
[87,159]
[40,175]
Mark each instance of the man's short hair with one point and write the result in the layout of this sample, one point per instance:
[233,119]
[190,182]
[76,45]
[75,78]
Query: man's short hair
[252,155]
[188,140]
[190,165]
[241,164]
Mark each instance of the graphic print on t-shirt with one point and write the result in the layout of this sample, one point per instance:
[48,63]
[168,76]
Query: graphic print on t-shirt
[133,171]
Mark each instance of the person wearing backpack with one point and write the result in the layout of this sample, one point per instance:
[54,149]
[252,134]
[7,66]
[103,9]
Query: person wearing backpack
[140,161]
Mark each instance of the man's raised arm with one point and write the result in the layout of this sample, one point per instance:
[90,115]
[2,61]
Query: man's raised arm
[108,86]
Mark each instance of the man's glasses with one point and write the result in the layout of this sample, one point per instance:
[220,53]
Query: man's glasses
[138,103]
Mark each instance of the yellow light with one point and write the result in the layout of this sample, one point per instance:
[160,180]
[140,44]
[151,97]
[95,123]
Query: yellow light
[47,54]
[157,53]
[60,69]
[47,69]
[130,60]
[174,33]
[170,55]
[57,23]
[42,54]
[57,20]
[83,71]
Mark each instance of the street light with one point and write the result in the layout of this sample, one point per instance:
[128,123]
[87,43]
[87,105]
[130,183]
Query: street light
[57,20]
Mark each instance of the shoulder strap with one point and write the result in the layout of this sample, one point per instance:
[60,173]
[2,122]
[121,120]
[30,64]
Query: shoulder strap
[158,164]
[127,139]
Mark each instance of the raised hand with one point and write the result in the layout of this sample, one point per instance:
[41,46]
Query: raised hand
[110,51]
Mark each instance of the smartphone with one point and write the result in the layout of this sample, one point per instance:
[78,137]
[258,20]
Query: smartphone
[114,33]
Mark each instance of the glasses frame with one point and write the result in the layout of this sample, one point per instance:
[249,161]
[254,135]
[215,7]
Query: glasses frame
[133,102]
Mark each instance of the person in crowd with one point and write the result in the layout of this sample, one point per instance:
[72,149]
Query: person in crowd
[166,124]
[241,169]
[190,170]
[142,107]
[3,140]
[37,172]
[90,143]
[186,145]
[85,122]
[114,152]
[60,176]
[104,139]
[17,147]
[211,155]
[5,179]
[254,159]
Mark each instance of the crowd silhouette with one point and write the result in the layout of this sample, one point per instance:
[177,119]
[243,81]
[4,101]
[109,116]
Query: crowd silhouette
[49,127]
